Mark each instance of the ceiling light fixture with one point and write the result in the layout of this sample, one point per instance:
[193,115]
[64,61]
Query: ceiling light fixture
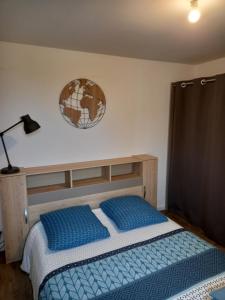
[194,14]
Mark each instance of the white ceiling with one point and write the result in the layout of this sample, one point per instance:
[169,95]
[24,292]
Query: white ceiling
[150,29]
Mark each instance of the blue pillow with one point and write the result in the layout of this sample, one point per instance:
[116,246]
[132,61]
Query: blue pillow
[72,227]
[130,212]
[218,294]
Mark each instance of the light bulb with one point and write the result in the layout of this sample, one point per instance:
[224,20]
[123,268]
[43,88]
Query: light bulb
[194,15]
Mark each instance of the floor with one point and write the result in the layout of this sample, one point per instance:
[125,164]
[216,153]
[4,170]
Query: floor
[15,284]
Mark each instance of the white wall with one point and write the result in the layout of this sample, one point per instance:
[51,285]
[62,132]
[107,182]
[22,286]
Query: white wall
[137,115]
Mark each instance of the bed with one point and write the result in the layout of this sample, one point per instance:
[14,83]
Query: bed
[161,261]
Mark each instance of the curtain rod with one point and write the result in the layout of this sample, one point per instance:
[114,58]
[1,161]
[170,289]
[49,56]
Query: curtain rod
[203,82]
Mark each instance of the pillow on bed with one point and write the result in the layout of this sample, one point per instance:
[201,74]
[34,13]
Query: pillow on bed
[130,212]
[72,227]
[218,294]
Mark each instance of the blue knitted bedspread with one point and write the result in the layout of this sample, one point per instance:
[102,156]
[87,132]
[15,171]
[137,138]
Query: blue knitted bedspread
[154,269]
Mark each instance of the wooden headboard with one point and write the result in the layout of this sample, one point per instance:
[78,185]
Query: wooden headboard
[38,190]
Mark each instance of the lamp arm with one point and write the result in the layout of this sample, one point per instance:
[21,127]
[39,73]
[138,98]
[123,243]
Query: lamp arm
[3,142]
[2,133]
[4,147]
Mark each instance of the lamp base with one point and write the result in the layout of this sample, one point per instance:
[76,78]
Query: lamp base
[10,170]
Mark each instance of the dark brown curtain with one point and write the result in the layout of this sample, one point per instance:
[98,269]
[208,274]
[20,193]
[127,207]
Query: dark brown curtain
[196,171]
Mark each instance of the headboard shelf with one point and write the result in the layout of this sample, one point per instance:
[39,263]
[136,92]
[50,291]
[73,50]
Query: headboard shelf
[126,171]
[46,188]
[83,190]
[89,181]
[89,176]
[125,177]
[92,173]
[87,164]
[40,189]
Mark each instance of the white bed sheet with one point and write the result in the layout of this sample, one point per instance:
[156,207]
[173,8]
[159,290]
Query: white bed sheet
[38,260]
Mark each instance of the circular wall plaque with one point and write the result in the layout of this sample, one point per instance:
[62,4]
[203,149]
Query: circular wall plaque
[82,103]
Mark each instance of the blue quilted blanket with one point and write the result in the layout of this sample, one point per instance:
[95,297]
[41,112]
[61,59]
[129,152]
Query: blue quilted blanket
[154,269]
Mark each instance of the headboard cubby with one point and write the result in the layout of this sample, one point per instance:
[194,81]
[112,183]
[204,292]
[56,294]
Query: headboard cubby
[33,191]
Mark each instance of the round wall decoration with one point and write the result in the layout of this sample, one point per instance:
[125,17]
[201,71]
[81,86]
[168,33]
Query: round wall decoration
[82,103]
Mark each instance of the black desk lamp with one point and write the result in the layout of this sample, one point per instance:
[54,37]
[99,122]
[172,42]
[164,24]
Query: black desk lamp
[29,126]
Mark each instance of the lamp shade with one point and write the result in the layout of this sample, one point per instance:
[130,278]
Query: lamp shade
[29,124]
